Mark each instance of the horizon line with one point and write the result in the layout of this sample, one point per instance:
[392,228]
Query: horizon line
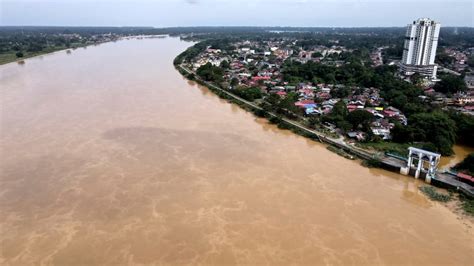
[217,26]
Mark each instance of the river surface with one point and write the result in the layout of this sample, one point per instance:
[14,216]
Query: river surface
[460,152]
[110,157]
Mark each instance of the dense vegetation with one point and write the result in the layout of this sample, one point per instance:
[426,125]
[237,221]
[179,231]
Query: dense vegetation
[355,73]
[464,127]
[467,165]
[19,42]
[249,94]
[450,84]
[436,129]
[467,204]
[208,72]
[282,106]
[16,41]
[193,51]
[338,116]
[433,194]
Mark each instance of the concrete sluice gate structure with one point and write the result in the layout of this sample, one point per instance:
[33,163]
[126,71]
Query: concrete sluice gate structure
[424,164]
[421,163]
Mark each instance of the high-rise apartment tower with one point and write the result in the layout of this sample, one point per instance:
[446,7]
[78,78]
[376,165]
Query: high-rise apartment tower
[419,51]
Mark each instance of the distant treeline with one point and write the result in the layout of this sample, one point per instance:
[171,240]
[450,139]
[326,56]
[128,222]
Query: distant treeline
[454,33]
[367,37]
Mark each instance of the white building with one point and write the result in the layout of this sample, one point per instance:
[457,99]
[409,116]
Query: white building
[419,51]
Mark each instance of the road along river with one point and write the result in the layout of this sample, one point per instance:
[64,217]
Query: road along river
[109,156]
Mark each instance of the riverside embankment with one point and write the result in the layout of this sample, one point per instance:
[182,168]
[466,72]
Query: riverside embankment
[391,163]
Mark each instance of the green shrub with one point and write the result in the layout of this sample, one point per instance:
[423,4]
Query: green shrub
[467,204]
[283,125]
[467,165]
[435,195]
[259,112]
[372,163]
[275,120]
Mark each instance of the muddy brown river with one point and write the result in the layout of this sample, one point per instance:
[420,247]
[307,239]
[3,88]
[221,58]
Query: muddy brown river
[110,157]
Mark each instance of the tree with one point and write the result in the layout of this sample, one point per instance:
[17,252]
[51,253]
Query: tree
[35,47]
[234,82]
[343,125]
[273,99]
[444,59]
[450,84]
[360,118]
[316,55]
[414,107]
[191,76]
[416,79]
[249,94]
[465,127]
[395,51]
[340,109]
[470,61]
[19,54]
[225,64]
[288,103]
[338,116]
[467,164]
[313,121]
[403,134]
[435,127]
[340,92]
[399,101]
[210,73]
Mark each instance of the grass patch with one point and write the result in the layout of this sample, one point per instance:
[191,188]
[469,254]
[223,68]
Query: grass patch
[283,125]
[435,195]
[467,204]
[372,163]
[392,147]
[275,120]
[340,152]
[7,58]
[259,112]
[11,55]
[400,149]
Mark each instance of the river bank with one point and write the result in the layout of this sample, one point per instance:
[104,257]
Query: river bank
[338,146]
[12,58]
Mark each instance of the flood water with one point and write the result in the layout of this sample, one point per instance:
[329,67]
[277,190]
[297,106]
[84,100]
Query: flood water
[110,157]
[460,152]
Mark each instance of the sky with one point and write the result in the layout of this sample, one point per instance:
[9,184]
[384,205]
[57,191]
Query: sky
[171,13]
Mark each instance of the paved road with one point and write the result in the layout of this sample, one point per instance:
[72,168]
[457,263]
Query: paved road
[447,70]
